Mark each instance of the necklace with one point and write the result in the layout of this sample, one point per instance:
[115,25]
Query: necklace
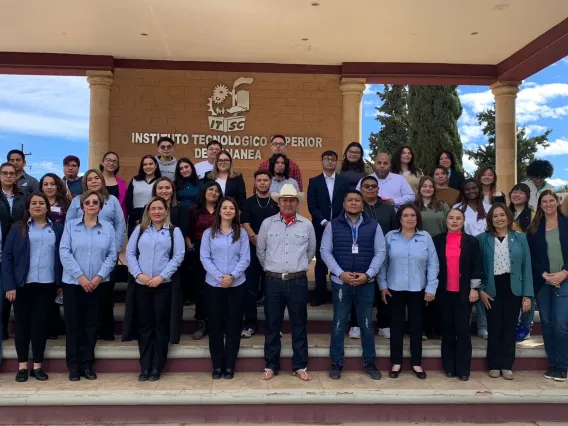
[260,205]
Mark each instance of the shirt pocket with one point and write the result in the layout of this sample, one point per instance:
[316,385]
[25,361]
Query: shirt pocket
[300,240]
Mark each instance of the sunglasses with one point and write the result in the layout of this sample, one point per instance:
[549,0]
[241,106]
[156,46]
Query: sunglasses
[370,186]
[93,203]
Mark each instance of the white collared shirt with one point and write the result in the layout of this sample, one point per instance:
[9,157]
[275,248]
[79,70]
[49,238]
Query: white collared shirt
[394,187]
[502,259]
[330,182]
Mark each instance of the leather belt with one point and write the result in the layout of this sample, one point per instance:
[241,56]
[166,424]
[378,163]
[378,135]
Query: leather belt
[286,276]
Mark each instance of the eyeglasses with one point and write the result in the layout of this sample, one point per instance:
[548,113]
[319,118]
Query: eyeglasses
[93,203]
[223,161]
[278,144]
[165,147]
[354,152]
[109,161]
[71,166]
[8,173]
[370,186]
[332,159]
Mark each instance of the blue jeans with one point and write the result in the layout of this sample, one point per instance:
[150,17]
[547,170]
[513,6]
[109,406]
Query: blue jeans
[343,297]
[481,316]
[527,318]
[554,318]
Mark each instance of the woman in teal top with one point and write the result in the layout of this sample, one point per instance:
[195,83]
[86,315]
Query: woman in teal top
[506,286]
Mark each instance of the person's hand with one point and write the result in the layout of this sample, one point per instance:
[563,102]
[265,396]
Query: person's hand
[155,282]
[526,304]
[11,295]
[556,279]
[85,283]
[325,224]
[143,278]
[473,295]
[384,294]
[347,277]
[95,282]
[359,279]
[226,281]
[390,201]
[485,299]
[252,239]
[429,297]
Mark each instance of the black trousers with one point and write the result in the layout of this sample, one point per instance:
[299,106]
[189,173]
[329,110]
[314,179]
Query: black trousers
[186,278]
[384,314]
[82,319]
[55,326]
[153,310]
[502,324]
[224,316]
[6,314]
[198,273]
[31,308]
[279,295]
[106,330]
[456,336]
[400,301]
[432,321]
[320,272]
[255,286]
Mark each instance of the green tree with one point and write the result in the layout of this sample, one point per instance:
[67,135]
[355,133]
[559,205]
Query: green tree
[433,113]
[526,146]
[393,116]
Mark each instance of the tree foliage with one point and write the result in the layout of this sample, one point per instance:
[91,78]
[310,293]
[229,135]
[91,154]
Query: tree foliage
[526,146]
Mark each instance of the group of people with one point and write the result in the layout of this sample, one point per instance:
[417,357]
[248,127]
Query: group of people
[422,250]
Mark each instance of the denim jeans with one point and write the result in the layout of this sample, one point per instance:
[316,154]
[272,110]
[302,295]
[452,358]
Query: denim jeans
[481,316]
[279,295]
[343,297]
[527,319]
[255,276]
[554,318]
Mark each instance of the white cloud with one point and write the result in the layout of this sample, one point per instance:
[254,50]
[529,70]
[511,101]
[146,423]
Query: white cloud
[477,101]
[370,89]
[556,182]
[41,125]
[469,128]
[468,164]
[40,168]
[533,129]
[557,147]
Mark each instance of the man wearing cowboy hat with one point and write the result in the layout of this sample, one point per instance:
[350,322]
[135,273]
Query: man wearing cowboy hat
[285,245]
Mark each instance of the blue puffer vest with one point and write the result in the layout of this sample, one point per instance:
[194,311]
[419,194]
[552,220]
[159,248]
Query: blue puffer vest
[343,240]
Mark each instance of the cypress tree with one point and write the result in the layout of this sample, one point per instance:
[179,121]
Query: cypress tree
[433,113]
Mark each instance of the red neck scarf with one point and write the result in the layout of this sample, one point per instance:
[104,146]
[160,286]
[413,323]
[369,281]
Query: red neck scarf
[288,220]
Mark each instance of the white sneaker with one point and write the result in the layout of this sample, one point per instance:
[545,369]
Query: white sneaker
[385,332]
[354,333]
[483,334]
[247,333]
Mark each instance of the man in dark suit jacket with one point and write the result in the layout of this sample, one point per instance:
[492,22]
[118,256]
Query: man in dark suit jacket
[325,202]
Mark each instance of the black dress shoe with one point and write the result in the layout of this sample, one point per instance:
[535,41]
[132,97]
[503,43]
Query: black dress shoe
[372,371]
[394,374]
[450,375]
[335,372]
[22,375]
[155,375]
[39,374]
[464,378]
[217,374]
[5,336]
[89,374]
[144,375]
[420,374]
[74,376]
[229,374]
[106,338]
[316,303]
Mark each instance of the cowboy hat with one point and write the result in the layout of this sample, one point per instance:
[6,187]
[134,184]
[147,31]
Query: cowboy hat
[288,191]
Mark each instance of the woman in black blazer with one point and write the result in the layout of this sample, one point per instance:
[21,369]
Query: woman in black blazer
[461,268]
[446,159]
[231,181]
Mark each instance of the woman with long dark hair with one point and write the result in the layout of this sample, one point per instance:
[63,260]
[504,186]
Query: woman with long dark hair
[154,253]
[548,242]
[487,179]
[201,217]
[139,190]
[225,255]
[115,185]
[403,163]
[31,271]
[447,160]
[231,182]
[55,190]
[353,166]
[187,182]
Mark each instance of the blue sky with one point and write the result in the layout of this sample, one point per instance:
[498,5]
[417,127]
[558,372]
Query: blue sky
[50,116]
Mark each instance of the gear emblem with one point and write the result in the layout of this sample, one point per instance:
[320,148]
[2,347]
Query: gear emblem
[220,93]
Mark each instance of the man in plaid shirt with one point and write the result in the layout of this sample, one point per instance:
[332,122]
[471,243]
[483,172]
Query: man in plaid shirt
[278,146]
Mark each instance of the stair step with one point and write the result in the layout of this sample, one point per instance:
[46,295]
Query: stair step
[195,397]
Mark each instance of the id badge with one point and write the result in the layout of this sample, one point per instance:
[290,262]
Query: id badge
[354,249]
[56,209]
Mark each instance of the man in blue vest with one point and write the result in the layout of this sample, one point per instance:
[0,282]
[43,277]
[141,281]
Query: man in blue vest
[353,248]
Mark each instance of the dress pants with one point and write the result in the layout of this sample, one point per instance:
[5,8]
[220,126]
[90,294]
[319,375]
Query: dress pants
[153,311]
[255,278]
[279,295]
[225,316]
[31,309]
[186,279]
[502,325]
[456,336]
[400,301]
[198,273]
[7,307]
[320,272]
[553,308]
[432,318]
[106,330]
[82,319]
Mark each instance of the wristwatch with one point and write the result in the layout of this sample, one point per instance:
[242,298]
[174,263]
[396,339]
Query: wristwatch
[232,277]
[369,278]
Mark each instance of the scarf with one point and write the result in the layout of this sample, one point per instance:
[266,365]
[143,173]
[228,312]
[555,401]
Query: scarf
[288,220]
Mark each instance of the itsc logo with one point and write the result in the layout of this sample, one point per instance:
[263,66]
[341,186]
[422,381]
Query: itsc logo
[240,102]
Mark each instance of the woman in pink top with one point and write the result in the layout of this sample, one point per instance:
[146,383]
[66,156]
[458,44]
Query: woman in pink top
[460,275]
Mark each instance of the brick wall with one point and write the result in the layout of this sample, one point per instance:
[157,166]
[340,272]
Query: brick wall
[156,101]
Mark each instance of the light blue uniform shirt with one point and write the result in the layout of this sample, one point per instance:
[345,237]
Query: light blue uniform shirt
[154,247]
[326,251]
[87,251]
[111,213]
[220,256]
[410,264]
[42,253]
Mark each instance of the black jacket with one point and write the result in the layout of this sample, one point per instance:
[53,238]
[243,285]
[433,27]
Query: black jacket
[235,188]
[319,204]
[456,179]
[7,219]
[471,265]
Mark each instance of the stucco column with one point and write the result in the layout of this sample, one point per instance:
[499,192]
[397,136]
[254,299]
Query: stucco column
[100,83]
[505,93]
[352,90]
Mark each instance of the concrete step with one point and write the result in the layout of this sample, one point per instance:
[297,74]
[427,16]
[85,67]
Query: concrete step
[195,397]
[191,355]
